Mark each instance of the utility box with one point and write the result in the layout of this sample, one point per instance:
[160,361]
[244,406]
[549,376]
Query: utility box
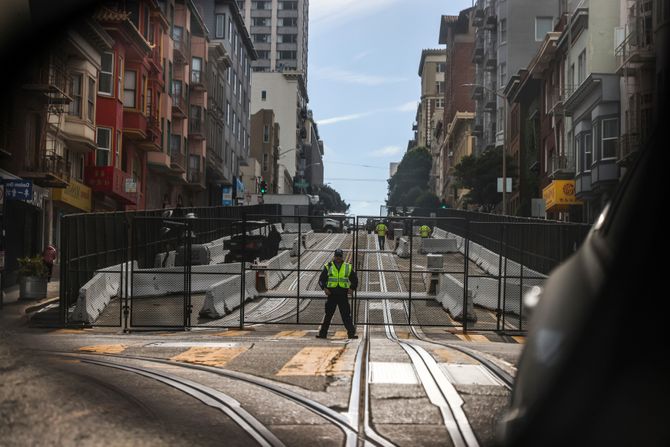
[434,262]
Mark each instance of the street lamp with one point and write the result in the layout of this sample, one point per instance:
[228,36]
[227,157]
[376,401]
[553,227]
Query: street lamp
[505,139]
[286,152]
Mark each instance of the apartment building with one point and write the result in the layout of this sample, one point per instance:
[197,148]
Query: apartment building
[265,146]
[286,94]
[312,164]
[225,26]
[458,34]
[279,30]
[432,67]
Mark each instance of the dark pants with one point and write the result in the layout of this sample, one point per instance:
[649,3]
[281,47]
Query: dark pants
[50,269]
[341,301]
[381,241]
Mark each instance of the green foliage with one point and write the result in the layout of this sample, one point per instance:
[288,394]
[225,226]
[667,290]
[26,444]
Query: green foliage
[32,267]
[428,200]
[330,200]
[411,179]
[480,176]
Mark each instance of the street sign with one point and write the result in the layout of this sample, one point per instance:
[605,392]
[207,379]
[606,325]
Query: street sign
[227,196]
[19,190]
[301,183]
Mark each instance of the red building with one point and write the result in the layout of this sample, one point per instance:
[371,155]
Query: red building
[129,121]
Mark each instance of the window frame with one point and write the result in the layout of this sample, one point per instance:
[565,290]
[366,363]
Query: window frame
[99,148]
[104,74]
[90,102]
[126,89]
[77,96]
[217,34]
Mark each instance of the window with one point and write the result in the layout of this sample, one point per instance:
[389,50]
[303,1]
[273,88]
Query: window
[220,29]
[596,141]
[288,21]
[287,38]
[610,143]
[76,93]
[264,95]
[106,86]
[288,55]
[261,38]
[266,134]
[196,71]
[261,5]
[232,124]
[119,81]
[543,25]
[439,87]
[503,31]
[117,156]
[230,29]
[585,144]
[239,96]
[91,100]
[103,140]
[130,89]
[227,112]
[260,21]
[290,5]
[265,162]
[581,67]
[439,103]
[502,69]
[440,67]
[145,22]
[263,54]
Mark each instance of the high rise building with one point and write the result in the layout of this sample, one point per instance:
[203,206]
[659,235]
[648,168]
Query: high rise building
[279,31]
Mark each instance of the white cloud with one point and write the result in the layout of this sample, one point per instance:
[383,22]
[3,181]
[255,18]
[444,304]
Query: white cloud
[351,77]
[387,151]
[327,13]
[339,119]
[361,55]
[407,107]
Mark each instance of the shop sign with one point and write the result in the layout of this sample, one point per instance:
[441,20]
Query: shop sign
[76,194]
[19,190]
[560,194]
[227,195]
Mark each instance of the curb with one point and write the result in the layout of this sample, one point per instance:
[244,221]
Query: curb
[41,305]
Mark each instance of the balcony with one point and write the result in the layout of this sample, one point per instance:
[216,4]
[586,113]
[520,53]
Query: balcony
[478,17]
[198,80]
[196,127]
[490,17]
[177,161]
[113,182]
[490,58]
[180,106]
[196,180]
[159,162]
[51,79]
[182,48]
[478,54]
[50,171]
[477,92]
[561,167]
[636,51]
[489,102]
[629,146]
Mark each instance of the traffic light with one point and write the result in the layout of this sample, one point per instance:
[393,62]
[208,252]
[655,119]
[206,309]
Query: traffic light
[443,204]
[263,187]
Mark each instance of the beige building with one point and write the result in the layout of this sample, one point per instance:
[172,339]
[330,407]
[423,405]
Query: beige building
[460,142]
[432,68]
[265,146]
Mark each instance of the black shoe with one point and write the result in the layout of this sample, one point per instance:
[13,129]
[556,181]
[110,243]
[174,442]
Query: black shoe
[352,337]
[321,336]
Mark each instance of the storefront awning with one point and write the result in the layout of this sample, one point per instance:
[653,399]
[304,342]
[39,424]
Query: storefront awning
[559,195]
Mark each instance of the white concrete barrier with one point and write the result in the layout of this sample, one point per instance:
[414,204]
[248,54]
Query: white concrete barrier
[95,295]
[439,233]
[166,281]
[403,248]
[275,276]
[224,296]
[450,295]
[429,245]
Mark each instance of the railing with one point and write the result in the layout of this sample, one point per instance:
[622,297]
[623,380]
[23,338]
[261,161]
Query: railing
[629,143]
[196,178]
[177,159]
[197,77]
[196,126]
[561,163]
[56,165]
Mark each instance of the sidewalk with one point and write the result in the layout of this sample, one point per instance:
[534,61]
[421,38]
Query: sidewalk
[14,311]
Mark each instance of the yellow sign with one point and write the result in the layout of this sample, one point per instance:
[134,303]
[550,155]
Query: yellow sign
[560,194]
[76,194]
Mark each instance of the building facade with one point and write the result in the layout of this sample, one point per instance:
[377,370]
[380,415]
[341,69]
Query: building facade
[286,94]
[432,67]
[265,146]
[312,163]
[279,30]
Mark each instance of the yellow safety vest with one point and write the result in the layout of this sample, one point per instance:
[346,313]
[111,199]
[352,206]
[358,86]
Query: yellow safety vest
[381,229]
[424,231]
[338,278]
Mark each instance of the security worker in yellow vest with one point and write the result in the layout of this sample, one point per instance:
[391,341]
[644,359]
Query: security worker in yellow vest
[338,280]
[424,231]
[381,230]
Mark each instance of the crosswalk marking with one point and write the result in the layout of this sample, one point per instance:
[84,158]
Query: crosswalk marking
[290,335]
[473,337]
[453,356]
[519,339]
[209,356]
[233,333]
[104,349]
[313,361]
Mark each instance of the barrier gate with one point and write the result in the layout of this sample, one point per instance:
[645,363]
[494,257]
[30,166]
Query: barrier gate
[180,273]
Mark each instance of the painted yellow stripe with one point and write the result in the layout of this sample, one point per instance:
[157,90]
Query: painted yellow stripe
[519,339]
[69,331]
[104,349]
[340,335]
[473,337]
[209,356]
[290,335]
[233,333]
[313,361]
[453,356]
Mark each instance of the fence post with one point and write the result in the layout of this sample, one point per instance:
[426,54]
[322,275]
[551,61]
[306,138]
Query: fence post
[243,272]
[500,260]
[466,272]
[354,262]
[188,255]
[504,280]
[297,315]
[521,284]
[63,292]
[411,260]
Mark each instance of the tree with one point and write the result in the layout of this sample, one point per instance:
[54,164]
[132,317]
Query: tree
[411,179]
[331,201]
[480,176]
[428,200]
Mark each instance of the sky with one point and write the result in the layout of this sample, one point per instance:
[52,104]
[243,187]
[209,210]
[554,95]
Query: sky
[364,87]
